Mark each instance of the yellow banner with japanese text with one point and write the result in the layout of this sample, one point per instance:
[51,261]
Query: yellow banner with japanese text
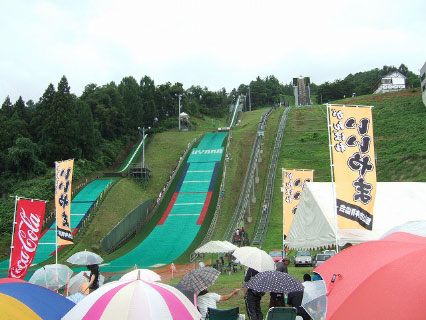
[293,182]
[63,179]
[353,158]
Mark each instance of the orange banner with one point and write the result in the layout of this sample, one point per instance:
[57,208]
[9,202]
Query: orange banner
[63,179]
[352,148]
[293,182]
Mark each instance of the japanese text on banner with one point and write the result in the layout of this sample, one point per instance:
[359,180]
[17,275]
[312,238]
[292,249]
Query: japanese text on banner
[352,146]
[63,179]
[293,182]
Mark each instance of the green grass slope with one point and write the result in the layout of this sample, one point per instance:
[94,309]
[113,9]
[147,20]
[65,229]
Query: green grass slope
[399,121]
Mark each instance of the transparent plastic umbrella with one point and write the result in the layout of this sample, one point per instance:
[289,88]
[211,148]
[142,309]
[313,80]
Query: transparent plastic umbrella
[85,258]
[79,279]
[52,276]
[314,299]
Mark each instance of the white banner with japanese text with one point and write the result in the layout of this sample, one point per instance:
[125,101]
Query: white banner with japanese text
[353,159]
[293,182]
[63,179]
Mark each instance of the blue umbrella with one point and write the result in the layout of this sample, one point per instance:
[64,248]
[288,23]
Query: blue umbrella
[45,303]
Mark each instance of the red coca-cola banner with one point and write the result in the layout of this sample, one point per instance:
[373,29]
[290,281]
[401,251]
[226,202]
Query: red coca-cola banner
[29,220]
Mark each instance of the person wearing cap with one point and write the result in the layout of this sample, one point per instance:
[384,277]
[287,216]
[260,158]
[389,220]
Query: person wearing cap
[282,265]
[277,299]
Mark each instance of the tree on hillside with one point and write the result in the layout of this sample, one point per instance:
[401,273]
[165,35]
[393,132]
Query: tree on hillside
[147,94]
[60,127]
[132,102]
[88,137]
[7,107]
[23,158]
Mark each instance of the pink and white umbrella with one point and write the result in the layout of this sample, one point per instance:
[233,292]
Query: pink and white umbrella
[136,299]
[143,274]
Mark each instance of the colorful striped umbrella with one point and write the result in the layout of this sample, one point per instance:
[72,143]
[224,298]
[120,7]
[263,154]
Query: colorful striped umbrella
[23,300]
[136,299]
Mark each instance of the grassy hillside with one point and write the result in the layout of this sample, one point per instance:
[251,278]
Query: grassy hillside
[399,121]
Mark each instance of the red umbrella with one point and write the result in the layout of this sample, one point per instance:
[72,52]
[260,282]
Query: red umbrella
[377,279]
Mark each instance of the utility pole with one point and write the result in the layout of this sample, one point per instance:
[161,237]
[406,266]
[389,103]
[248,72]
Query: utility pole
[249,99]
[180,96]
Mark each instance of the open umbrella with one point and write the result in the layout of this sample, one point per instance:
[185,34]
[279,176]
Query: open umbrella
[52,276]
[377,279]
[134,300]
[199,279]
[188,293]
[254,258]
[23,300]
[142,274]
[85,258]
[274,281]
[79,279]
[314,299]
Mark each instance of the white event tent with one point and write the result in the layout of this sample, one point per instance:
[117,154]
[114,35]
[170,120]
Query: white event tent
[314,224]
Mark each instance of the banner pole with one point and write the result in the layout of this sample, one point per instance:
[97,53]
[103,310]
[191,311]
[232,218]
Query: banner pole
[56,218]
[282,187]
[333,185]
[13,232]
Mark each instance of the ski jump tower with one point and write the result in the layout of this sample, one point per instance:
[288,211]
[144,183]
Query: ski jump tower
[302,91]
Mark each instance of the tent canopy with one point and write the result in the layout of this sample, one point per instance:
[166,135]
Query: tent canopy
[217,246]
[314,224]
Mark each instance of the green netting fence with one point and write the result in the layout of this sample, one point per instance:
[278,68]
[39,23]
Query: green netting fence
[127,227]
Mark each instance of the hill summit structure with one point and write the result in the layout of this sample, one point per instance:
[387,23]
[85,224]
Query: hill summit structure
[302,91]
[394,81]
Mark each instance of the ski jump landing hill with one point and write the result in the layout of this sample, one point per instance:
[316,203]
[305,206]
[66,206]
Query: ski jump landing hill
[182,220]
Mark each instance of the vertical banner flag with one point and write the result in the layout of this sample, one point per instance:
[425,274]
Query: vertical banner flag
[353,159]
[29,220]
[293,182]
[63,179]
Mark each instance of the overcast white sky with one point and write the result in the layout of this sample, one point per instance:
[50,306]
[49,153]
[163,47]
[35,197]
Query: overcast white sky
[220,43]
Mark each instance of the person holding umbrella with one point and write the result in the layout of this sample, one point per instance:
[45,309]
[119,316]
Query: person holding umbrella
[252,297]
[208,299]
[93,277]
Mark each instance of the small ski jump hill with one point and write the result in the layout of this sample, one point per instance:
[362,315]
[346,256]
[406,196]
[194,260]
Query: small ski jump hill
[185,213]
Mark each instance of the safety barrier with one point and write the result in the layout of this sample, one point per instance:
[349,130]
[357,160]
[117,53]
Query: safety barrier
[127,227]
[263,222]
[244,198]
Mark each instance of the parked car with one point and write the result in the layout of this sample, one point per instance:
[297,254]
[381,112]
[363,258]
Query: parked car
[303,258]
[276,255]
[330,252]
[320,258]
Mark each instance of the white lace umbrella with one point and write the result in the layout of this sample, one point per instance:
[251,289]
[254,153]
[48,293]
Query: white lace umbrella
[85,258]
[52,276]
[254,258]
[142,274]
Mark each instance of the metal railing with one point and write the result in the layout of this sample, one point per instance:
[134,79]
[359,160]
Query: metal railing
[243,201]
[262,226]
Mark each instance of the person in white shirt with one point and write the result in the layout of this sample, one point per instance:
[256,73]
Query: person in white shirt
[207,300]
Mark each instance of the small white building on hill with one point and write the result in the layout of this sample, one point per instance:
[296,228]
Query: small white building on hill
[394,81]
[423,80]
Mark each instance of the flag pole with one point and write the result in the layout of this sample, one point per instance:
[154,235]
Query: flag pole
[282,186]
[13,232]
[56,219]
[333,185]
